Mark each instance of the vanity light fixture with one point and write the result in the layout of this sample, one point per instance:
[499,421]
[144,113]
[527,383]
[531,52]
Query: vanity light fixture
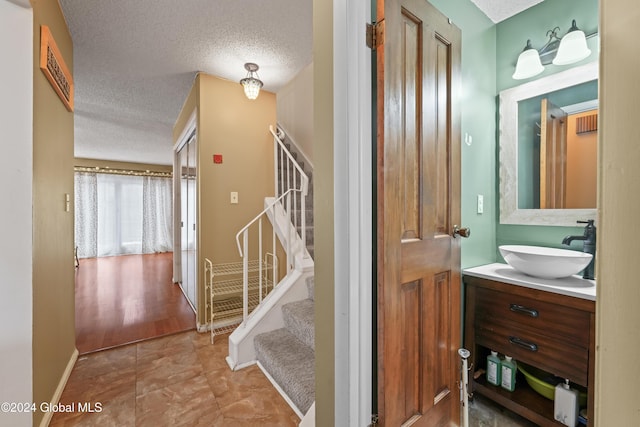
[528,64]
[251,83]
[573,47]
[560,51]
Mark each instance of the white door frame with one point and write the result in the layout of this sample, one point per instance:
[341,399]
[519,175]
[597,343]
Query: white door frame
[353,205]
[16,190]
[182,140]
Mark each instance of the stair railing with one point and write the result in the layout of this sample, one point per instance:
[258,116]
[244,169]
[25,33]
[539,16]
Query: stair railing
[243,248]
[290,175]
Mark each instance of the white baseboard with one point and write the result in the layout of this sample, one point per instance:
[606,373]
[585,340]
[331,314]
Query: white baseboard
[61,385]
[206,327]
[282,393]
[240,366]
[309,419]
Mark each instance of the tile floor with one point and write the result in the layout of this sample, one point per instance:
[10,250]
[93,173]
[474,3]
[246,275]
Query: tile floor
[183,380]
[485,413]
[178,380]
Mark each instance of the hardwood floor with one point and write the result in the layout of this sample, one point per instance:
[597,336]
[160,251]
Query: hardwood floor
[125,299]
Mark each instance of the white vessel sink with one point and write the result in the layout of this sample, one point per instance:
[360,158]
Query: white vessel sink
[547,263]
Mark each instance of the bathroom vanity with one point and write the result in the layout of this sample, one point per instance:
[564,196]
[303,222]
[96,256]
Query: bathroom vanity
[546,323]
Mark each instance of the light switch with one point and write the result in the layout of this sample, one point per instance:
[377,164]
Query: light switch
[480,203]
[234,197]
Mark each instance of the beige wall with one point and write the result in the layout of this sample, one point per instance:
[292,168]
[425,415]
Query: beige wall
[295,110]
[188,107]
[229,124]
[323,210]
[617,339]
[53,266]
[582,161]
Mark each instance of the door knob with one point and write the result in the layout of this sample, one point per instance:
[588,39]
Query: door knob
[461,231]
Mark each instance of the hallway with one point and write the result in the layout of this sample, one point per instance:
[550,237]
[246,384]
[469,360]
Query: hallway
[125,299]
[178,380]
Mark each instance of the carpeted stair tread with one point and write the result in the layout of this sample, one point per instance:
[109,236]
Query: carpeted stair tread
[291,363]
[311,287]
[308,215]
[299,319]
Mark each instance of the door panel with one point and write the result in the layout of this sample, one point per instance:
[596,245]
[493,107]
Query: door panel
[188,159]
[418,203]
[184,238]
[191,221]
[410,165]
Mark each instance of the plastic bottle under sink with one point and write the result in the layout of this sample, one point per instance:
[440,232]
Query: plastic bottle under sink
[494,368]
[509,368]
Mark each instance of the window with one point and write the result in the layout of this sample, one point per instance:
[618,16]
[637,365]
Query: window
[120,214]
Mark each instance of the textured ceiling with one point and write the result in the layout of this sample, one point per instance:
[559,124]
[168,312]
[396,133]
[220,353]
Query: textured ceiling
[135,61]
[499,10]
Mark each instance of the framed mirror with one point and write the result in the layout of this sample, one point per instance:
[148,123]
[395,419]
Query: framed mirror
[537,185]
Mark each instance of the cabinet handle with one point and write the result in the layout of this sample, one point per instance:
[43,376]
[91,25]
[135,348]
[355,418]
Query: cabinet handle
[522,309]
[529,346]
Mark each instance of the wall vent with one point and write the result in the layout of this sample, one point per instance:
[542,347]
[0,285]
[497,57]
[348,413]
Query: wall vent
[586,124]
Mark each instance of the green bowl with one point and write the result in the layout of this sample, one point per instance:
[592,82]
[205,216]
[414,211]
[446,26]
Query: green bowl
[545,384]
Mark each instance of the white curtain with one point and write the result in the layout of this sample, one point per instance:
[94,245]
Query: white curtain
[121,214]
[86,214]
[157,233]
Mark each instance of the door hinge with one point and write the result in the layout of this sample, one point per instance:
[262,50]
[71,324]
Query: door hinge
[374,420]
[375,35]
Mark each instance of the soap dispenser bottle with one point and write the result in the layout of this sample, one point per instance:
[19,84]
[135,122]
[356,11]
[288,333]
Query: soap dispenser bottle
[494,368]
[508,374]
[565,405]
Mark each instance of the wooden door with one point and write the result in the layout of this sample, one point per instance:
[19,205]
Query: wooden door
[553,155]
[418,69]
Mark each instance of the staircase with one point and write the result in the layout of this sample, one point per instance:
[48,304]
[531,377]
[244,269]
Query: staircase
[287,354]
[286,178]
[279,334]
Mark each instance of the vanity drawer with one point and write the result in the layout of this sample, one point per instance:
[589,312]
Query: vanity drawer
[557,356]
[543,317]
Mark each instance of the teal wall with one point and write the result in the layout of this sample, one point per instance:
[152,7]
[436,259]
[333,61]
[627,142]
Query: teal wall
[478,120]
[489,53]
[511,37]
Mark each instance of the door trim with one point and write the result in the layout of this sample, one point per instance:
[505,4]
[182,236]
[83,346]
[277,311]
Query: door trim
[353,238]
[183,139]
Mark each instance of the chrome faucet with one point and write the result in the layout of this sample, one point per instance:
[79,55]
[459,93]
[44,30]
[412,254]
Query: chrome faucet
[589,246]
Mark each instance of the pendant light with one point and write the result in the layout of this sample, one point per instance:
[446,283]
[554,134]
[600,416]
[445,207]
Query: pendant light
[251,83]
[528,64]
[573,47]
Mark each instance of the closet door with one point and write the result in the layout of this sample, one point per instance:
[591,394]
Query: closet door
[192,259]
[187,159]
[184,185]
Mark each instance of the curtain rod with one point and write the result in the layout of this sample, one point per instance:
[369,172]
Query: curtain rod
[111,171]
